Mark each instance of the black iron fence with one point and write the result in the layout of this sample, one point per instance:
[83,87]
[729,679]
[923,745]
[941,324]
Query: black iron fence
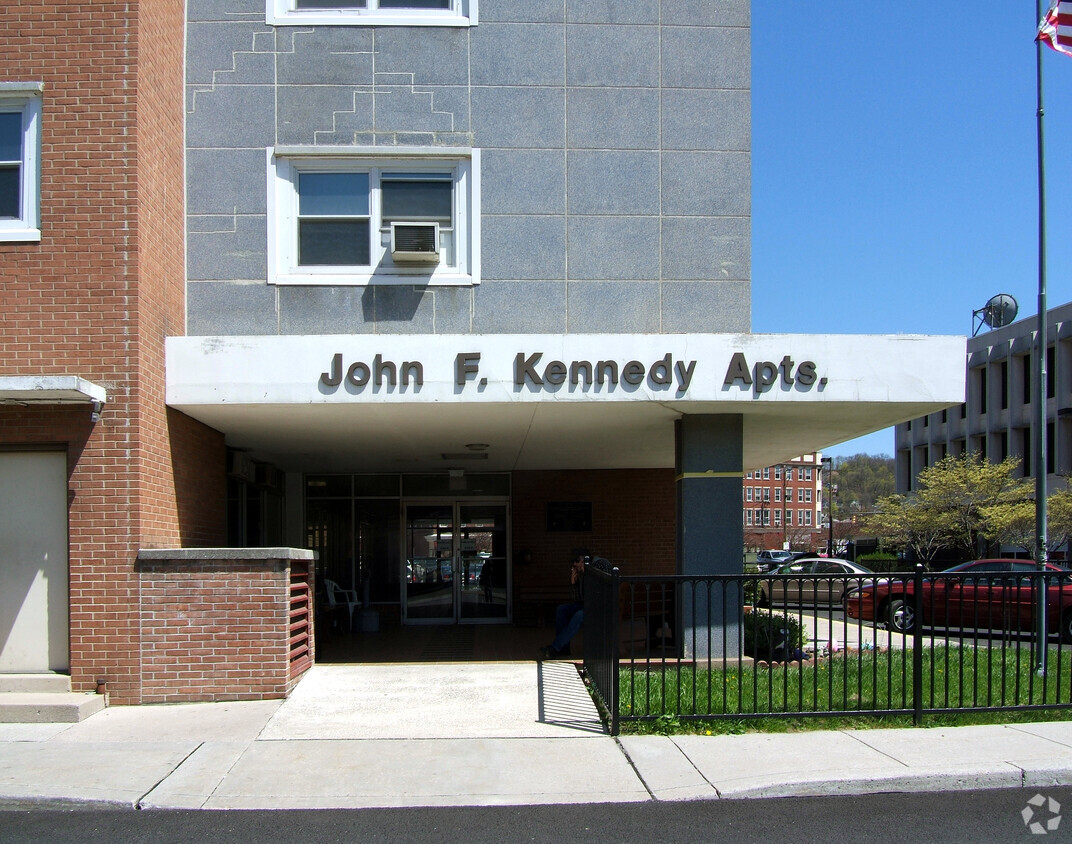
[829,644]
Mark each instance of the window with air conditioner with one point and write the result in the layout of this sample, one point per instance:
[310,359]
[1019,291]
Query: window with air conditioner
[372,12]
[20,153]
[364,219]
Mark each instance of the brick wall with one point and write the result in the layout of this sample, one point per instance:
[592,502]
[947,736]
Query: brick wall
[214,629]
[96,298]
[633,523]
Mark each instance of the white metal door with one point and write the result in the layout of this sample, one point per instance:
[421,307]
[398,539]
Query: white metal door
[33,562]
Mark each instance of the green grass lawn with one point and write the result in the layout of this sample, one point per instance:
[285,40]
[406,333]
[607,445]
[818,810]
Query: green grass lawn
[683,699]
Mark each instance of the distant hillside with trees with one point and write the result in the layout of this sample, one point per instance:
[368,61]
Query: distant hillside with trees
[861,480]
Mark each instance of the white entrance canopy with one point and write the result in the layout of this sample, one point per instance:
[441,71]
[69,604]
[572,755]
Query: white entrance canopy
[491,403]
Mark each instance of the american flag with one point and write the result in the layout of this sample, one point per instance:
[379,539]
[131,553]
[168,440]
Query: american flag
[1055,30]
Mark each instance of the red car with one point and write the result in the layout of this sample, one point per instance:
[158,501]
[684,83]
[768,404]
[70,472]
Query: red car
[982,594]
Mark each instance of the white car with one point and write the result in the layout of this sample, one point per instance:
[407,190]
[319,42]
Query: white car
[769,559]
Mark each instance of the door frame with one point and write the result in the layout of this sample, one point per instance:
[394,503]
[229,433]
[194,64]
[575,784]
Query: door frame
[455,503]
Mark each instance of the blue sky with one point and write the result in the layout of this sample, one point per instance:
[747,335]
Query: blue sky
[894,168]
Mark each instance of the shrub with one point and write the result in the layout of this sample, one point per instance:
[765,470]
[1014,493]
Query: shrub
[883,562]
[773,636]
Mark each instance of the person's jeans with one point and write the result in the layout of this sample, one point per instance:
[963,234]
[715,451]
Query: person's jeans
[568,621]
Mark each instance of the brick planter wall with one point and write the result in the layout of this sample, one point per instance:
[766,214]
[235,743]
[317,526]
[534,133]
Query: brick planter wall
[216,624]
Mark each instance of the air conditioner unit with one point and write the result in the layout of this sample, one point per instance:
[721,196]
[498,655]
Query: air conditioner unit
[268,476]
[242,467]
[416,243]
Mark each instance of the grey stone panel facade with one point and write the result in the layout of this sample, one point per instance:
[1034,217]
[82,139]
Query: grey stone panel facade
[612,11]
[523,182]
[604,248]
[706,57]
[524,247]
[327,55]
[613,118]
[706,248]
[522,11]
[517,54]
[706,13]
[225,181]
[227,248]
[232,52]
[606,56]
[249,109]
[690,305]
[700,119]
[224,10]
[247,308]
[520,307]
[615,180]
[613,307]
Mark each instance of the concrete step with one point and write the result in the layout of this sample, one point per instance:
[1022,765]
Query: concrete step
[48,707]
[42,682]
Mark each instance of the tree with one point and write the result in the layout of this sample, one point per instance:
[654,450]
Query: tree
[1059,518]
[958,500]
[1014,524]
[904,524]
[964,487]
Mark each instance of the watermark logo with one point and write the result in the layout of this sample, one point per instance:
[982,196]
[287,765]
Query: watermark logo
[1041,815]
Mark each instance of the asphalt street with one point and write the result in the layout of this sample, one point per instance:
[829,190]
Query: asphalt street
[993,816]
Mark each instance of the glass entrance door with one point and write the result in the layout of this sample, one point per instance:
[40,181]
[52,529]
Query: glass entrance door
[456,566]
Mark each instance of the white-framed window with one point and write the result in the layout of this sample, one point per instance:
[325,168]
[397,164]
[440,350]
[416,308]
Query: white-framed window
[807,518]
[807,473]
[789,495]
[778,473]
[20,161]
[789,517]
[766,493]
[777,495]
[807,495]
[766,473]
[353,216]
[778,518]
[748,493]
[372,12]
[749,476]
[748,517]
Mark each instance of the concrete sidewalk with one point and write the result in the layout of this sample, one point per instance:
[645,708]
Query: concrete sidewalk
[478,734]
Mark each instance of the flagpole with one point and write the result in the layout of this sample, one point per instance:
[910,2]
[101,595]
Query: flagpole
[1040,368]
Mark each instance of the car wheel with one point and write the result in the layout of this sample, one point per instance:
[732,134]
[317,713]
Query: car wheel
[1066,626]
[900,616]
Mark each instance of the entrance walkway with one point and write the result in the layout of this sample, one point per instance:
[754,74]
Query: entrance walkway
[437,700]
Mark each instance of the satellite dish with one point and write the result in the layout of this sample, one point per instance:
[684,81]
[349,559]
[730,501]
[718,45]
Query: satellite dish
[996,313]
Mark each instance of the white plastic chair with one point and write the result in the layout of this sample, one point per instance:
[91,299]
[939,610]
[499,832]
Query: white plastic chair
[337,597]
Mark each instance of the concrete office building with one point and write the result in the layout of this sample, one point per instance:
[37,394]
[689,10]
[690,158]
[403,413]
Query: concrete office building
[465,287]
[999,414]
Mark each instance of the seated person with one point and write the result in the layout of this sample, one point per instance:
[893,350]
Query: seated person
[569,617]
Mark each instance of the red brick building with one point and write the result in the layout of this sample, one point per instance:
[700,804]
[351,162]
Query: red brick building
[783,505]
[91,281]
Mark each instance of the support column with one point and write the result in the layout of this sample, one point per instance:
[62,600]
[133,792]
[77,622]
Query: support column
[710,537]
